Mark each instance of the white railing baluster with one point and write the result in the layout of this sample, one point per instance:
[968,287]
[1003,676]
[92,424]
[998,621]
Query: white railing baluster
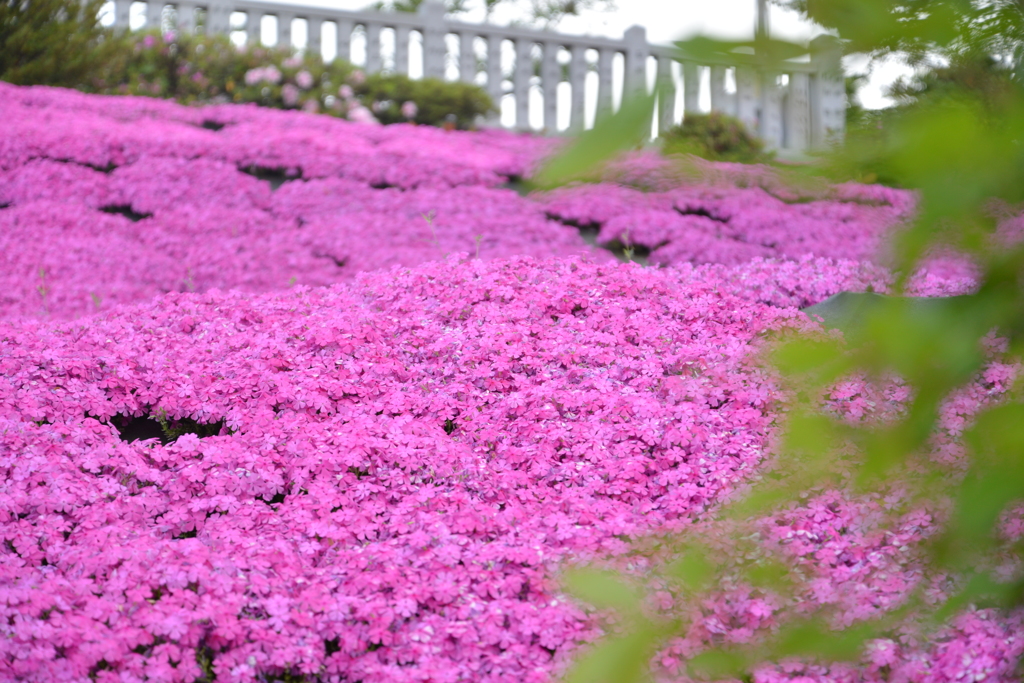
[637,51]
[521,82]
[154,14]
[798,109]
[434,30]
[284,29]
[186,17]
[720,100]
[666,95]
[467,57]
[747,104]
[578,83]
[691,88]
[402,50]
[605,82]
[122,14]
[550,77]
[495,75]
[253,30]
[314,29]
[345,29]
[374,63]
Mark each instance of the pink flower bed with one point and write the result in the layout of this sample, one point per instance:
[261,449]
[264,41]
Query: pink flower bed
[424,394]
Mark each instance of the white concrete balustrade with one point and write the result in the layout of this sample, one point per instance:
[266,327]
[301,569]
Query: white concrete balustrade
[800,107]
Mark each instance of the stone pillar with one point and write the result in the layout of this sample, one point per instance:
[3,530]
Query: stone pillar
[798,111]
[218,17]
[402,50]
[154,14]
[691,88]
[467,57]
[550,77]
[252,27]
[345,28]
[284,29]
[637,52]
[374,63]
[431,14]
[578,83]
[314,45]
[771,130]
[827,91]
[495,76]
[122,14]
[721,101]
[521,82]
[605,83]
[186,17]
[666,95]
[747,99]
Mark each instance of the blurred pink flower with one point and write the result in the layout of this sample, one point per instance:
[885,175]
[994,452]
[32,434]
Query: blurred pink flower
[346,92]
[409,109]
[290,94]
[149,41]
[293,62]
[312,106]
[272,74]
[360,114]
[304,79]
[357,77]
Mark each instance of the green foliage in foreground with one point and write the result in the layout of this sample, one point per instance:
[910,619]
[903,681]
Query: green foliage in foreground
[962,149]
[716,137]
[51,42]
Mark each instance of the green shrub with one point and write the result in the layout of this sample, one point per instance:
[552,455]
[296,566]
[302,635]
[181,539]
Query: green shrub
[437,102]
[716,137]
[51,42]
[199,68]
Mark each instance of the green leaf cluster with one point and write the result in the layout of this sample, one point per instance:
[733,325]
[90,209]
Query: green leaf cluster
[51,42]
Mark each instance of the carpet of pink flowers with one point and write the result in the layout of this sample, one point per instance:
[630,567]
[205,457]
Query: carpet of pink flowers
[433,394]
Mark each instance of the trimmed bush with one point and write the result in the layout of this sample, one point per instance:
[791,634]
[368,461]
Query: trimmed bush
[200,68]
[437,102]
[717,137]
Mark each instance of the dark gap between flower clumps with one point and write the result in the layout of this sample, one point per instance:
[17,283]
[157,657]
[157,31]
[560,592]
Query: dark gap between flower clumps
[4,205]
[126,211]
[275,176]
[211,125]
[700,211]
[340,262]
[381,185]
[517,184]
[635,253]
[108,169]
[131,428]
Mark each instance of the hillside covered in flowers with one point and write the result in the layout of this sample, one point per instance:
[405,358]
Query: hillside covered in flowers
[285,397]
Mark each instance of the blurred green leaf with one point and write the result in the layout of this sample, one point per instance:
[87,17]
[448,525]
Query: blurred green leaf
[693,570]
[625,129]
[619,659]
[602,589]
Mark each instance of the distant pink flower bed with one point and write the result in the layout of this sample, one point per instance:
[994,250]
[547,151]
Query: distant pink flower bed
[427,395]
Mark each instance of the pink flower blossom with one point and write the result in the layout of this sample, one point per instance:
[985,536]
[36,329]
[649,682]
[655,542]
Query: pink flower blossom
[304,80]
[290,94]
[409,109]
